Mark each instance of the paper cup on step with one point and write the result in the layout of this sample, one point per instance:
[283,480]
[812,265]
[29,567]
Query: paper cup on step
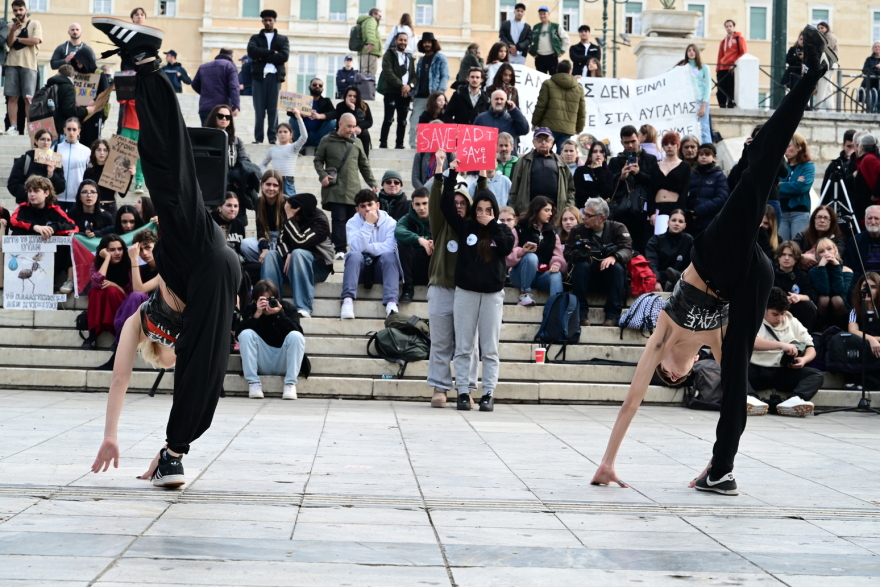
[540,355]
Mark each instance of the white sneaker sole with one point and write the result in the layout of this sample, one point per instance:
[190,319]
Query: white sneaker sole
[125,24]
[289,396]
[171,481]
[756,410]
[796,411]
[718,491]
[255,396]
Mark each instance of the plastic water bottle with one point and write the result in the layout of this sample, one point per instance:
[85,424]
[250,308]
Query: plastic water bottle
[388,377]
[51,103]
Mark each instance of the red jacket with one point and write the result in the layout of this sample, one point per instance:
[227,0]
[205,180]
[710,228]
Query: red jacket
[129,115]
[730,49]
[869,169]
[25,217]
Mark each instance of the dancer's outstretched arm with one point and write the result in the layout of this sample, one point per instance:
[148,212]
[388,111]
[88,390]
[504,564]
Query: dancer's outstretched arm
[125,353]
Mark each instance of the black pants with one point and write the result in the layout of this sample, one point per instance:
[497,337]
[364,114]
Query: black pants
[341,213]
[727,255]
[804,382]
[546,63]
[415,263]
[192,257]
[805,313]
[395,103]
[726,89]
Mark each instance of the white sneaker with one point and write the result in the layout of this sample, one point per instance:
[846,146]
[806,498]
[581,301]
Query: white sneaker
[303,314]
[67,287]
[255,390]
[289,391]
[795,406]
[13,130]
[755,406]
[526,300]
[347,312]
[390,307]
[339,257]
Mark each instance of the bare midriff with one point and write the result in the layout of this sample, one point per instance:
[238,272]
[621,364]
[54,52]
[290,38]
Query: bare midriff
[664,196]
[691,276]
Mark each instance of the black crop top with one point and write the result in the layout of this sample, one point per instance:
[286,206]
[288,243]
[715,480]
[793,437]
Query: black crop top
[696,310]
[678,181]
[160,323]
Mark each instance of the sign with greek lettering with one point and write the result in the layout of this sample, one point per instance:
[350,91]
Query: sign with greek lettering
[86,86]
[287,101]
[430,138]
[117,170]
[666,102]
[28,273]
[476,147]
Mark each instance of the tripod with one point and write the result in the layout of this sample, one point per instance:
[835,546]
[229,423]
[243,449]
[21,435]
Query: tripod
[866,316]
[841,206]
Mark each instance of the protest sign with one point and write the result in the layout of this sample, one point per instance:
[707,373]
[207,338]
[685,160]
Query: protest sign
[123,154]
[124,82]
[667,102]
[100,102]
[86,86]
[29,269]
[430,138]
[475,148]
[48,157]
[287,101]
[44,123]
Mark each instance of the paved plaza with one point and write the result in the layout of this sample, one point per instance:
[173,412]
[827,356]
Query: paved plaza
[332,492]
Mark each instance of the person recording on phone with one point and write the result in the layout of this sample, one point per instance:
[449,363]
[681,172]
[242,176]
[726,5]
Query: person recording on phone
[271,340]
[632,169]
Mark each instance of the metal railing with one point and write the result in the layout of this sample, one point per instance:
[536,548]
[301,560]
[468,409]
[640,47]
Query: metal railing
[841,90]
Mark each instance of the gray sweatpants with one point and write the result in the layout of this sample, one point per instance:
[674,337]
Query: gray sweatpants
[478,313]
[440,304]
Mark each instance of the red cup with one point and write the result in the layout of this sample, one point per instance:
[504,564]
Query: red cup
[539,355]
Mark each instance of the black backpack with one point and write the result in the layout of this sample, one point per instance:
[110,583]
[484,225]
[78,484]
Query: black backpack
[404,339]
[40,106]
[355,38]
[561,322]
[704,392]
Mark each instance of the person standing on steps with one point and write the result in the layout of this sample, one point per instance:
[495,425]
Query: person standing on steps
[399,76]
[432,72]
[20,69]
[176,73]
[721,297]
[66,51]
[517,35]
[550,42]
[731,48]
[368,56]
[269,50]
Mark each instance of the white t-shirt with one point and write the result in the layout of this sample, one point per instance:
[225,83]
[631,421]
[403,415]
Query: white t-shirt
[403,60]
[269,67]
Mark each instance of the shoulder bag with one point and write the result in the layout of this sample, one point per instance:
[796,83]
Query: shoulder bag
[333,172]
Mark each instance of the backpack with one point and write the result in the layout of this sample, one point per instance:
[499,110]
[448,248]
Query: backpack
[355,38]
[561,322]
[705,390]
[41,106]
[643,314]
[642,279]
[843,354]
[403,340]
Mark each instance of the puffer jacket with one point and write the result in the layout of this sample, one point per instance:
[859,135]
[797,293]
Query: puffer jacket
[330,153]
[561,106]
[706,196]
[370,35]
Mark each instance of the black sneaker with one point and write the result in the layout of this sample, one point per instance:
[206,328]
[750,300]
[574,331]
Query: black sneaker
[725,486]
[487,403]
[137,40]
[408,293]
[818,56]
[464,402]
[169,472]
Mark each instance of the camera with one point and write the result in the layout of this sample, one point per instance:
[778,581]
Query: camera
[585,250]
[273,302]
[788,360]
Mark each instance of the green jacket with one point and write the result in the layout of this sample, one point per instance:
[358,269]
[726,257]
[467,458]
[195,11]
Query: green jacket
[506,169]
[330,152]
[441,269]
[561,106]
[393,72]
[370,35]
[410,229]
[555,39]
[520,188]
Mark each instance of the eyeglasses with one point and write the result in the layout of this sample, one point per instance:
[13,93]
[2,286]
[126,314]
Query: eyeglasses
[317,86]
[224,116]
[393,182]
[460,204]
[543,139]
[88,193]
[823,217]
[586,215]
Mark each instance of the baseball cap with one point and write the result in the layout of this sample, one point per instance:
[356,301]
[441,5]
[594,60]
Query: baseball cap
[543,9]
[542,130]
[349,58]
[172,52]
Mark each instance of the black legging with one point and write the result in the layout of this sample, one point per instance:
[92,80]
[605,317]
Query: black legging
[727,257]
[192,258]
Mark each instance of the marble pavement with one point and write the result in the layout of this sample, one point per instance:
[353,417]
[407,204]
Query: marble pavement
[331,492]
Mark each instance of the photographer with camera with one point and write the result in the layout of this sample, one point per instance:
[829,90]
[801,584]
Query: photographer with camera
[599,250]
[837,168]
[271,340]
[783,348]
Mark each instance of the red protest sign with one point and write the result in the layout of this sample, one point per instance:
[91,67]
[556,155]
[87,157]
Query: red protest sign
[430,138]
[476,149]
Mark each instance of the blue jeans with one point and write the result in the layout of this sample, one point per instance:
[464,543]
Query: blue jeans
[526,276]
[266,105]
[791,223]
[587,277]
[706,127]
[289,187]
[258,358]
[387,270]
[558,139]
[314,137]
[303,273]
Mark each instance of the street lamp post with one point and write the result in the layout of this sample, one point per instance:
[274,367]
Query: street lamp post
[605,43]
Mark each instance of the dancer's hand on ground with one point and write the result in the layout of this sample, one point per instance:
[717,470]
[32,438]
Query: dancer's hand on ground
[108,452]
[606,475]
[693,482]
[153,464]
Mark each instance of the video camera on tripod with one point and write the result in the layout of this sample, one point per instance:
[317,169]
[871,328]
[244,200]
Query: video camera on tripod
[839,200]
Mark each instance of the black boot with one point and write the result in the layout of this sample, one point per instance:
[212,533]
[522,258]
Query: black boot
[108,366]
[408,293]
[91,343]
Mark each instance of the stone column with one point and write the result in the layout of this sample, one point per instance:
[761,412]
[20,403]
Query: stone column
[667,35]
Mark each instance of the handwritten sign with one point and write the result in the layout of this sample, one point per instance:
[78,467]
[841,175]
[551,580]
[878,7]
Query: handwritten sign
[86,86]
[44,123]
[476,147]
[430,138]
[100,102]
[123,154]
[28,271]
[287,101]
[48,157]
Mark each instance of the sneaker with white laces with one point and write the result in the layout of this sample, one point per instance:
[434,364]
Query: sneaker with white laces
[340,256]
[390,307]
[755,407]
[255,390]
[726,485]
[347,312]
[289,391]
[303,314]
[169,471]
[66,287]
[137,40]
[795,406]
[526,300]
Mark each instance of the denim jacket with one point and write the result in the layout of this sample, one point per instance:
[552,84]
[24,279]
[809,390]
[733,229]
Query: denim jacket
[438,74]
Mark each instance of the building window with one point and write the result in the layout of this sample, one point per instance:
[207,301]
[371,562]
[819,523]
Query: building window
[337,11]
[168,8]
[425,12]
[876,28]
[250,8]
[364,6]
[506,13]
[758,22]
[38,6]
[633,17]
[308,10]
[701,24]
[305,71]
[334,64]
[102,7]
[571,15]
[818,15]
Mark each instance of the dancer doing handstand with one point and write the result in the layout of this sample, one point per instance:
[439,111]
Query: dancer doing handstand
[721,297]
[187,320]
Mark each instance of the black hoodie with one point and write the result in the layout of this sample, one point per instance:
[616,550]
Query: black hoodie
[309,229]
[471,273]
